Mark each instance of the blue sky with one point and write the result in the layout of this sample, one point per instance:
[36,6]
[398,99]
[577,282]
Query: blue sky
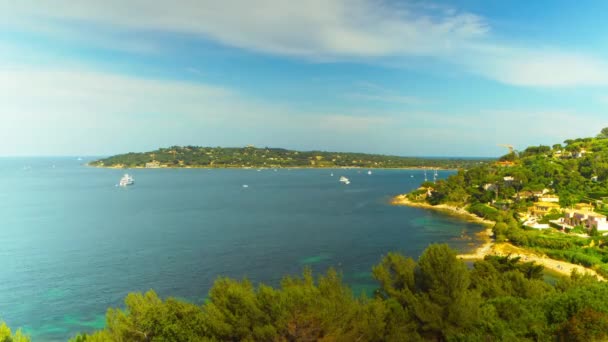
[394,77]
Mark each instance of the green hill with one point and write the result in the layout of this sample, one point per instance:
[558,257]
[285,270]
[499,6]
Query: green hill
[539,187]
[193,156]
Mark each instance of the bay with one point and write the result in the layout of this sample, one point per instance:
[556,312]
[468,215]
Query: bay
[72,243]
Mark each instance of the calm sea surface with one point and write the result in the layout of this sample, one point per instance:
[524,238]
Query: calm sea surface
[73,244]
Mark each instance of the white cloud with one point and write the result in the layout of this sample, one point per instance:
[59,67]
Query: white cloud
[79,111]
[315,28]
[538,67]
[367,30]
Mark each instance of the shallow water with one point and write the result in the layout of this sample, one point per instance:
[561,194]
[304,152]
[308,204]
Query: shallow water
[74,244]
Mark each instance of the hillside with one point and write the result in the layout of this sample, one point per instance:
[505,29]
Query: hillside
[550,199]
[193,156]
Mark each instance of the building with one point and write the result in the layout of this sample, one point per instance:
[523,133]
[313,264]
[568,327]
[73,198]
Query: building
[587,219]
[540,193]
[490,187]
[580,153]
[523,195]
[549,198]
[583,207]
[543,208]
[153,165]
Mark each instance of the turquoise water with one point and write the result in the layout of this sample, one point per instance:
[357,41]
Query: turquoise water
[74,244]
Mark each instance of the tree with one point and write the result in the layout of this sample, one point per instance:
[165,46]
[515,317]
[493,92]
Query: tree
[586,325]
[603,133]
[7,336]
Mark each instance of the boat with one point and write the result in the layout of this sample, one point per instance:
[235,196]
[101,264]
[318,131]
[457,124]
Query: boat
[344,180]
[126,180]
[369,172]
[245,186]
[332,174]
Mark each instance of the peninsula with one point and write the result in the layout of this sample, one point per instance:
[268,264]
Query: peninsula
[546,204]
[250,156]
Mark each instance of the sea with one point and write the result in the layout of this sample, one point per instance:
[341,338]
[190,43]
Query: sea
[73,243]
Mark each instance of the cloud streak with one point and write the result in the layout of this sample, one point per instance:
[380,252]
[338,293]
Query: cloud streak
[77,111]
[318,30]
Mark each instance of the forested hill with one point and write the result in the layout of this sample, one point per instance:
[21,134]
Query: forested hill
[550,199]
[576,171]
[193,156]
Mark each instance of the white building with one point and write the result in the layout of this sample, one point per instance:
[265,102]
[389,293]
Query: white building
[587,219]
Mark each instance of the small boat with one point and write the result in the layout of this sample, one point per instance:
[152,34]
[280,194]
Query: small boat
[126,180]
[245,186]
[344,180]
[369,172]
[332,174]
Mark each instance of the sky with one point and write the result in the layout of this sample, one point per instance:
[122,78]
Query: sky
[412,78]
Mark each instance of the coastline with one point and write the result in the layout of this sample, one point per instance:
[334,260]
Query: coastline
[273,167]
[445,208]
[490,247]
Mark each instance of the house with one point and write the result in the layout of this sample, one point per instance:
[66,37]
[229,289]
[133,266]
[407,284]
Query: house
[153,165]
[587,219]
[548,198]
[523,195]
[583,207]
[502,205]
[580,153]
[539,193]
[543,208]
[489,187]
[505,163]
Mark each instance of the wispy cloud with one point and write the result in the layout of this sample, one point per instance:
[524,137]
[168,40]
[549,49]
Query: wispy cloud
[78,110]
[327,30]
[316,28]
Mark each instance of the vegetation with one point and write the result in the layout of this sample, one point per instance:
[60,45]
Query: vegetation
[504,192]
[193,156]
[7,336]
[437,298]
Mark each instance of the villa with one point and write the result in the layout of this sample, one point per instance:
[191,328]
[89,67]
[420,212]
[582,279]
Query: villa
[549,198]
[587,219]
[540,209]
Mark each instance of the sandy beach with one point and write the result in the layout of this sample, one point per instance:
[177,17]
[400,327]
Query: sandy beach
[489,247]
[448,209]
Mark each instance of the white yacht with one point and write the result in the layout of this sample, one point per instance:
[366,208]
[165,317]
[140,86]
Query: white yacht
[344,180]
[126,180]
[369,172]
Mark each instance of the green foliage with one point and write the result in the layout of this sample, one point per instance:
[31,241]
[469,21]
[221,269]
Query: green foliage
[573,175]
[7,336]
[194,156]
[437,298]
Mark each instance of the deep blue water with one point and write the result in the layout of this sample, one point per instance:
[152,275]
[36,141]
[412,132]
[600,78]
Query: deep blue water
[73,244]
